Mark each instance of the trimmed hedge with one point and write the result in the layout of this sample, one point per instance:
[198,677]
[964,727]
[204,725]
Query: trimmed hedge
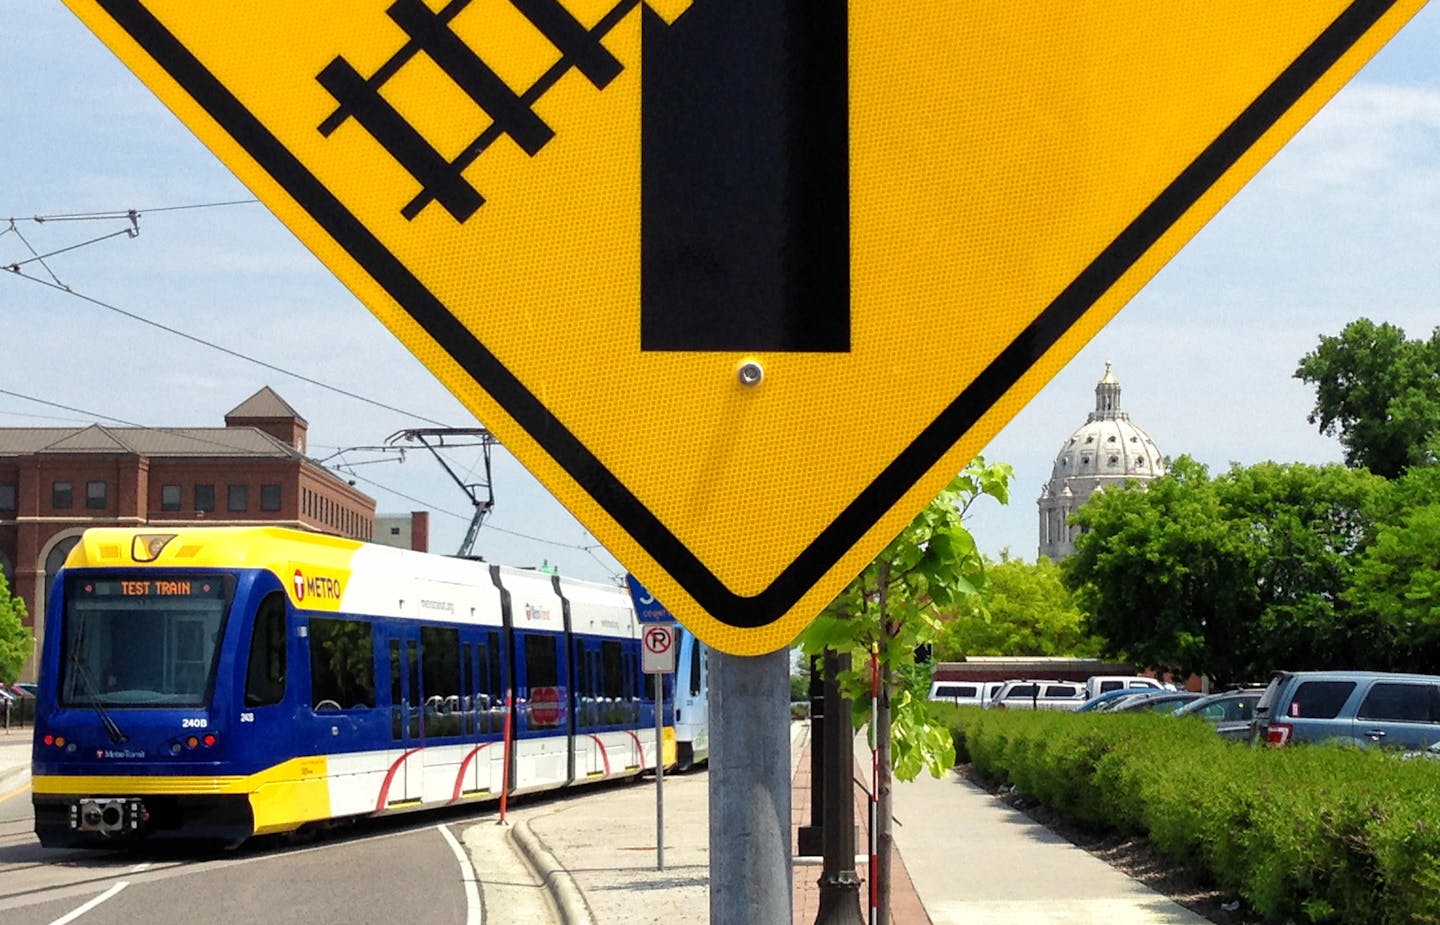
[1311,833]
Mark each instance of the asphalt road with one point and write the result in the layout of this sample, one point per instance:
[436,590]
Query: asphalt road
[408,870]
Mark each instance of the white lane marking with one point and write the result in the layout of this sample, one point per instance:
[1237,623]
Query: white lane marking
[72,916]
[473,913]
[139,868]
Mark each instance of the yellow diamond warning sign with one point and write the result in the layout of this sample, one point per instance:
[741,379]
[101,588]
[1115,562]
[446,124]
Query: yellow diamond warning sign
[743,282]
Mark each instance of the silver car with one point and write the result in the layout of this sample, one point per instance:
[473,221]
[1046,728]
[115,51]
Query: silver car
[1230,712]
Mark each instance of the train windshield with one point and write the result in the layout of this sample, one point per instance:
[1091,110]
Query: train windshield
[146,640]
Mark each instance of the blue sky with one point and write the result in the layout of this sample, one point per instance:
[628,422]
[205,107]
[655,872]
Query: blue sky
[1344,222]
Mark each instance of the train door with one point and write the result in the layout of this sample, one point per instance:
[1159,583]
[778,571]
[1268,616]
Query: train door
[406,709]
[483,711]
[542,741]
[591,713]
[469,779]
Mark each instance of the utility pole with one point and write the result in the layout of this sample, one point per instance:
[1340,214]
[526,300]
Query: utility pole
[750,877]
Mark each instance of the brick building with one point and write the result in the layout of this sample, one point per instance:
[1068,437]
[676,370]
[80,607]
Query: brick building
[56,481]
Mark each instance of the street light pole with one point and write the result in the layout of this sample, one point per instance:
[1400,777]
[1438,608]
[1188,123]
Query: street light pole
[839,883]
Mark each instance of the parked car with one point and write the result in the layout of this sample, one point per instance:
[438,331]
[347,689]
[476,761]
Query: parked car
[1229,712]
[1103,702]
[1114,703]
[25,687]
[1038,695]
[1364,707]
[964,693]
[1155,702]
[1103,684]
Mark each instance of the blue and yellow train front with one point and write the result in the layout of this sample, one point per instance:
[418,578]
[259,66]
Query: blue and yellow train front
[162,707]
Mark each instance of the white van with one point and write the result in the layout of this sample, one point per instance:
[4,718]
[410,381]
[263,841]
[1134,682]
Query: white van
[1038,695]
[964,693]
[1103,684]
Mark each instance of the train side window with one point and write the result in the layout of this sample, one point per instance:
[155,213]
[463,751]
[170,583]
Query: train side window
[635,682]
[468,699]
[497,683]
[695,667]
[440,661]
[613,666]
[581,685]
[491,687]
[412,671]
[397,694]
[342,664]
[265,671]
[540,664]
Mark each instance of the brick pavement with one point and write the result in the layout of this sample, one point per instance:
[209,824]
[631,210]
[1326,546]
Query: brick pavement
[905,906]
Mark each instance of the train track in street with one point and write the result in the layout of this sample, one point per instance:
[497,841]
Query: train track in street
[414,870]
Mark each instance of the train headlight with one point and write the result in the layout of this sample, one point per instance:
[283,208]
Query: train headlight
[146,547]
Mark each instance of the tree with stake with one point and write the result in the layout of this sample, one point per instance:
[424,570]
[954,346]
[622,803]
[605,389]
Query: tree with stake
[894,606]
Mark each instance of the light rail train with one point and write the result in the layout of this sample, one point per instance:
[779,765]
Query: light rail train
[225,682]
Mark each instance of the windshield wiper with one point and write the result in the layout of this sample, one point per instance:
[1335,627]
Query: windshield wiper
[78,669]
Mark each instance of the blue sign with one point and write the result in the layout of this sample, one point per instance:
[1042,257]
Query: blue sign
[647,609]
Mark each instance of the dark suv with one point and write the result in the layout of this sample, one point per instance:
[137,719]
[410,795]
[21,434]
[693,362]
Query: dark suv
[1364,707]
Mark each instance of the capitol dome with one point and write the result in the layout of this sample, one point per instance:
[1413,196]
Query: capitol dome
[1107,450]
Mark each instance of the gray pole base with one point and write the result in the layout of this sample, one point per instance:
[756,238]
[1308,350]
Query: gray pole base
[840,900]
[750,878]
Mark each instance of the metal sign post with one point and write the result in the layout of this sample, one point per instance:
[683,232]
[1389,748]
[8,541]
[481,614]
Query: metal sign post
[659,775]
[658,659]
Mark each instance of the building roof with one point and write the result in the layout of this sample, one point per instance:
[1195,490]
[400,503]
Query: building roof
[263,405]
[144,441]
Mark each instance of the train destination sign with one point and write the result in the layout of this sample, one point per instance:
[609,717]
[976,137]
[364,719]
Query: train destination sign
[744,283]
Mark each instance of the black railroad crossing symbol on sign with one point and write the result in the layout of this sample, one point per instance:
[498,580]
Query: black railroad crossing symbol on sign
[705,171]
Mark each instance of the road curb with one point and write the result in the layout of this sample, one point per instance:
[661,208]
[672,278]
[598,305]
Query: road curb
[562,887]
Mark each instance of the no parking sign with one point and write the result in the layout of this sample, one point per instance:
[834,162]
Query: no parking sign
[657,649]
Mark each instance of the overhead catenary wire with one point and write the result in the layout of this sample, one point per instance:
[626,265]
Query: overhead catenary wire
[100,303]
[132,217]
[127,213]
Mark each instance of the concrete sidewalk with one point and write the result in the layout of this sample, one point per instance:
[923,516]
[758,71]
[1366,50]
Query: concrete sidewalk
[15,748]
[976,861]
[961,856]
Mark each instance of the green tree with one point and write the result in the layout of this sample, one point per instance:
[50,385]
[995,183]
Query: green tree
[1379,392]
[1397,582]
[1026,610]
[1231,577]
[1303,528]
[17,642]
[890,609]
[1153,569]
